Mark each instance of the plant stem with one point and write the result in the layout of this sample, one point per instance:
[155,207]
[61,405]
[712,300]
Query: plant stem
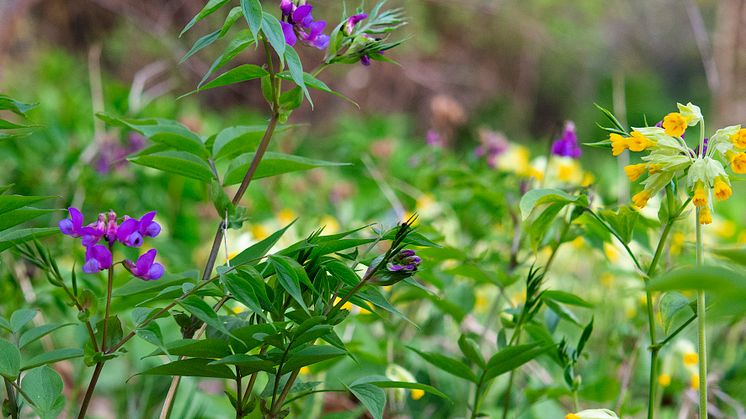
[239,402]
[285,391]
[109,287]
[11,399]
[475,409]
[701,329]
[91,387]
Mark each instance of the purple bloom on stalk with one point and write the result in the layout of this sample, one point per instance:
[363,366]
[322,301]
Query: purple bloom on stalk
[567,144]
[73,225]
[97,258]
[297,21]
[144,268]
[353,20]
[132,231]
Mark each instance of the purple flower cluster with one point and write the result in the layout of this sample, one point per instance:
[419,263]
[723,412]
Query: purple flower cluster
[493,144]
[130,233]
[297,22]
[567,144]
[112,154]
[404,261]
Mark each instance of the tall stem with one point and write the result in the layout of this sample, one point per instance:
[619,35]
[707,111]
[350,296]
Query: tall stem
[89,391]
[11,398]
[701,328]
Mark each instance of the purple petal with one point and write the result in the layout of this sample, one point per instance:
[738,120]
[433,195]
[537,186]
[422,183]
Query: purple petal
[287,30]
[66,227]
[148,227]
[128,233]
[101,255]
[155,272]
[321,42]
[365,60]
[315,29]
[407,253]
[287,7]
[395,268]
[144,262]
[302,13]
[76,216]
[91,266]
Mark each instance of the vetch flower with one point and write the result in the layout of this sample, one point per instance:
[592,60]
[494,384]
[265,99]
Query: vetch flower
[405,261]
[297,22]
[97,258]
[72,226]
[567,144]
[353,20]
[144,268]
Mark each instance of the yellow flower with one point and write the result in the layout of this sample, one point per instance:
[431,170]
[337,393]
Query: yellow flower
[607,279]
[535,173]
[259,232]
[695,381]
[654,168]
[634,171]
[664,380]
[700,195]
[331,225]
[641,198]
[588,179]
[346,306]
[690,359]
[572,416]
[305,370]
[481,303]
[739,138]
[705,217]
[424,202]
[417,394]
[738,163]
[677,243]
[578,242]
[567,171]
[618,144]
[674,124]
[722,189]
[639,142]
[611,252]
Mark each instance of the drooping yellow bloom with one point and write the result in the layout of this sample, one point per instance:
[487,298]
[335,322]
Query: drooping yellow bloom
[639,142]
[641,198]
[572,416]
[738,163]
[417,394]
[722,189]
[587,180]
[705,217]
[700,195]
[690,359]
[739,138]
[634,171]
[664,380]
[618,144]
[654,168]
[674,124]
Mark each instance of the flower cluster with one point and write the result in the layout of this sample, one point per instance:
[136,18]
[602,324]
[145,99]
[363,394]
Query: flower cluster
[404,261]
[567,144]
[669,157]
[297,22]
[130,233]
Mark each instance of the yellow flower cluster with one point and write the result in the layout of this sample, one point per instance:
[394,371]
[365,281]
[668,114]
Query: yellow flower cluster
[670,157]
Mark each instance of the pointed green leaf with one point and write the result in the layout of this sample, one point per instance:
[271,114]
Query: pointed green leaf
[44,387]
[52,357]
[209,9]
[252,12]
[193,367]
[177,162]
[272,164]
[10,360]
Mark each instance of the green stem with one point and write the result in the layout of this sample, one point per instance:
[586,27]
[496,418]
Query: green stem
[477,397]
[239,402]
[107,310]
[701,329]
[89,391]
[11,398]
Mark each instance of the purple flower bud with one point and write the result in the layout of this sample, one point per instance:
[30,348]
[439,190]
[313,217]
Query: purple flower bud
[406,253]
[97,258]
[289,32]
[567,144]
[353,20]
[144,268]
[287,7]
[365,60]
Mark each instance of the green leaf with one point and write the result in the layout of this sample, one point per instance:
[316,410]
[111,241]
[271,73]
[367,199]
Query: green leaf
[258,250]
[37,333]
[565,298]
[673,304]
[273,32]
[164,132]
[193,367]
[203,348]
[709,278]
[290,274]
[317,84]
[233,141]
[204,312]
[411,386]
[12,238]
[233,16]
[20,318]
[311,355]
[209,9]
[5,324]
[511,358]
[538,228]
[12,202]
[21,215]
[19,108]
[52,357]
[536,197]
[177,162]
[10,360]
[622,221]
[243,291]
[137,286]
[272,164]
[243,72]
[249,363]
[201,43]
[252,12]
[734,254]
[44,387]
[372,397]
[242,40]
[450,365]
[471,351]
[296,71]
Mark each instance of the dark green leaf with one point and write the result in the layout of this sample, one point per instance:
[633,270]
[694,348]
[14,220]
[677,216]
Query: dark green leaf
[21,215]
[20,318]
[565,298]
[201,43]
[272,164]
[193,367]
[258,250]
[248,363]
[209,9]
[511,358]
[372,397]
[252,12]
[204,312]
[52,357]
[290,275]
[273,32]
[238,44]
[311,355]
[243,72]
[450,365]
[10,360]
[36,333]
[177,162]
[471,351]
[536,197]
[44,387]
[12,202]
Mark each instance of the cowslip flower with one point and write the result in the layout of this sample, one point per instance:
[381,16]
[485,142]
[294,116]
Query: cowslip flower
[567,144]
[130,233]
[670,157]
[297,22]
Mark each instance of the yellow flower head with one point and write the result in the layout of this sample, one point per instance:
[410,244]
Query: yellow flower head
[695,381]
[641,198]
[664,380]
[618,144]
[675,124]
[739,138]
[700,195]
[690,359]
[722,189]
[738,163]
[639,142]
[634,171]
[705,217]
[654,168]
[572,416]
[417,394]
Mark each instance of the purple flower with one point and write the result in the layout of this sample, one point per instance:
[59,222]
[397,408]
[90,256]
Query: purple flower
[567,144]
[353,20]
[144,268]
[97,258]
[147,226]
[297,21]
[73,225]
[493,144]
[433,138]
[131,231]
[365,60]
[406,261]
